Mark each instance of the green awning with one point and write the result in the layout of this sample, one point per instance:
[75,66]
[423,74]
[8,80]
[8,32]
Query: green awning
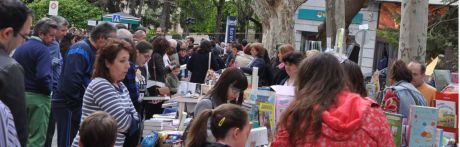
[121,17]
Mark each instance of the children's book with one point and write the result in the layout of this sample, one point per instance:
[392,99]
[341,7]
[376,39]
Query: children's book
[284,96]
[267,117]
[371,90]
[447,103]
[422,121]
[395,123]
[447,117]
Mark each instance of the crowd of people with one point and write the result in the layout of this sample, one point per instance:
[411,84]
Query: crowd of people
[90,87]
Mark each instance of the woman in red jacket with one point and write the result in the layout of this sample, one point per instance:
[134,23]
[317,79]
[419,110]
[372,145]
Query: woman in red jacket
[326,113]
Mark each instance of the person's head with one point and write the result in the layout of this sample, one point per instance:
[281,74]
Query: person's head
[257,50]
[247,49]
[205,46]
[291,61]
[229,87]
[101,33]
[159,31]
[175,70]
[229,47]
[98,129]
[112,61]
[15,23]
[66,42]
[283,50]
[355,78]
[311,53]
[63,26]
[400,72]
[124,34]
[121,26]
[190,40]
[139,35]
[46,29]
[244,42]
[160,45]
[418,73]
[228,122]
[144,52]
[319,80]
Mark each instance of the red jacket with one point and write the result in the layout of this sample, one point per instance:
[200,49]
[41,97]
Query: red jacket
[353,122]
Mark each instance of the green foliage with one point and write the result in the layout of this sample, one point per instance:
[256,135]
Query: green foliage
[150,34]
[77,12]
[390,35]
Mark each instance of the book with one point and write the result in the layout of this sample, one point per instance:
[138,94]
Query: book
[441,79]
[422,122]
[371,90]
[284,96]
[447,117]
[395,122]
[259,136]
[439,136]
[267,117]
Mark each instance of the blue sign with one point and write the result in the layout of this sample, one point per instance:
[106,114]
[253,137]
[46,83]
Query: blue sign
[116,18]
[230,33]
[320,15]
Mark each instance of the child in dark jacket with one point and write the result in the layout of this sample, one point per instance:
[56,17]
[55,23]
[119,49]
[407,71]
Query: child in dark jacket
[172,80]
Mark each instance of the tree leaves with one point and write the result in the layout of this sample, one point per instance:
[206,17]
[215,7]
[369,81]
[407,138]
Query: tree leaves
[77,12]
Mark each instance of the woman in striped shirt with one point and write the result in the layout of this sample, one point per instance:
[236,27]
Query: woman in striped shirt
[107,93]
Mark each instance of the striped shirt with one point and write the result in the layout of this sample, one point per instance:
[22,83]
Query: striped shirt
[101,95]
[8,135]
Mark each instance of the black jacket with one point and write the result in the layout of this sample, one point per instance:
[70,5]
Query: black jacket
[198,65]
[12,92]
[215,145]
[156,68]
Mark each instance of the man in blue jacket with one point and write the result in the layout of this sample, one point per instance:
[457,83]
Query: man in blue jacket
[34,57]
[15,23]
[56,68]
[75,77]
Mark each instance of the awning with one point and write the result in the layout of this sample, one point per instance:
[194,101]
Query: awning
[121,17]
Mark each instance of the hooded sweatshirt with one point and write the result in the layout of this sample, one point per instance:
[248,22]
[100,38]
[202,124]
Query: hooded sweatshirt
[353,121]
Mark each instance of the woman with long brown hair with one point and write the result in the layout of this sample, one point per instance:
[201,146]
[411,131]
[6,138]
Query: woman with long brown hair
[325,113]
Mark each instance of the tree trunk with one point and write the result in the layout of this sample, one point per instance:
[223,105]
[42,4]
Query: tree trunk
[132,7]
[352,7]
[277,17]
[165,14]
[413,30]
[220,8]
[141,7]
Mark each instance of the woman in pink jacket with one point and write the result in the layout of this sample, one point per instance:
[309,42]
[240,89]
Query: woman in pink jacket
[326,113]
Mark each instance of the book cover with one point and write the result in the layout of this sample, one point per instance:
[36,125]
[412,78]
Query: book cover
[395,123]
[267,117]
[422,121]
[371,90]
[282,103]
[447,117]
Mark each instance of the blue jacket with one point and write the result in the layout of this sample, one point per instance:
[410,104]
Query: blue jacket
[76,74]
[34,57]
[260,63]
[408,95]
[56,64]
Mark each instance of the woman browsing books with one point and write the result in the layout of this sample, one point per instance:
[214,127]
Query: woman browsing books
[325,113]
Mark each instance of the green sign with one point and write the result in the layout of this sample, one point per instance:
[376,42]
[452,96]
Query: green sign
[320,15]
